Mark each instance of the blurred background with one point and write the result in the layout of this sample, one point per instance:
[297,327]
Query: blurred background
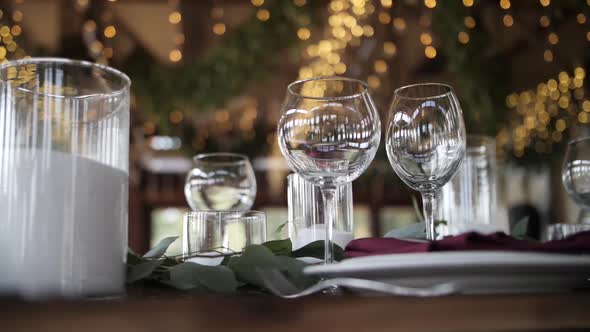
[210,75]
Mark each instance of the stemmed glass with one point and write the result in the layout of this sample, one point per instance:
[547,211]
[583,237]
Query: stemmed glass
[220,182]
[576,174]
[329,132]
[425,140]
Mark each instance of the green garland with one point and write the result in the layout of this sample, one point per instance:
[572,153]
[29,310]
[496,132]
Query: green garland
[242,58]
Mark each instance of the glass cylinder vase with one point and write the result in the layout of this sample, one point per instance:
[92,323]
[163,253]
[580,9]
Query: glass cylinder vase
[306,219]
[64,155]
[468,201]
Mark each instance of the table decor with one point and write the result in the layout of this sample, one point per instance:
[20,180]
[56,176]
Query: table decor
[576,175]
[64,155]
[329,132]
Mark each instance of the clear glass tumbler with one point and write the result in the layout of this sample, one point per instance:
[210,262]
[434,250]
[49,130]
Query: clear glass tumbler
[306,219]
[210,234]
[64,142]
[468,201]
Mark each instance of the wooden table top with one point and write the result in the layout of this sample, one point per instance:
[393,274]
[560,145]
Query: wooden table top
[199,312]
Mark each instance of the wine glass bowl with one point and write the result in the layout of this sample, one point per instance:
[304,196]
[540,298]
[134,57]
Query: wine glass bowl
[425,139]
[330,130]
[329,133]
[576,174]
[220,182]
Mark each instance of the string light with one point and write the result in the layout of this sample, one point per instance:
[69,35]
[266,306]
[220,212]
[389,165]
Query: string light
[467,3]
[469,22]
[174,17]
[389,48]
[548,55]
[545,3]
[553,38]
[581,18]
[508,20]
[110,31]
[430,3]
[303,33]
[257,3]
[380,66]
[463,37]
[263,15]
[544,21]
[425,38]
[219,29]
[386,3]
[505,4]
[430,52]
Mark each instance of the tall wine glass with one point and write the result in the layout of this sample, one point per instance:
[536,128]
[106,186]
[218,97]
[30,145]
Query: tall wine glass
[329,132]
[425,140]
[576,175]
[220,182]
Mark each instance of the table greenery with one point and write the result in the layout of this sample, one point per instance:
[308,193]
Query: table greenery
[238,273]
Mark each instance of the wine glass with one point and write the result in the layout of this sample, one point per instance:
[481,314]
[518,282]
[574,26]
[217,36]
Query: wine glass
[576,174]
[425,140]
[220,182]
[329,132]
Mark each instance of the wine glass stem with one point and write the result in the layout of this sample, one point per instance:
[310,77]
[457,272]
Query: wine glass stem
[328,197]
[429,203]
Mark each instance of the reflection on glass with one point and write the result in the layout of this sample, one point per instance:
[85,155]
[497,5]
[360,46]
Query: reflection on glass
[329,132]
[576,175]
[220,182]
[425,140]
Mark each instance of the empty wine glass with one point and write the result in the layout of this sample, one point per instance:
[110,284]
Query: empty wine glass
[576,174]
[220,182]
[329,132]
[425,140]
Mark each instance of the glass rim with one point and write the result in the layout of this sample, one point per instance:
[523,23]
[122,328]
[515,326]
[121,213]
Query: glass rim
[247,213]
[240,159]
[81,63]
[399,91]
[365,86]
[578,140]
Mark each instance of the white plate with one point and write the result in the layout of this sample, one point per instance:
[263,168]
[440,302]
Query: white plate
[473,272]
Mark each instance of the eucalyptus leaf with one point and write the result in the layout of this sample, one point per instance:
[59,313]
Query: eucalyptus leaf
[142,270]
[316,249]
[219,279]
[280,247]
[160,248]
[293,268]
[519,230]
[413,231]
[254,256]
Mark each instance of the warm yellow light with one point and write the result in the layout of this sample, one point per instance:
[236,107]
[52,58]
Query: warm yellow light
[469,22]
[110,31]
[545,3]
[336,6]
[583,117]
[425,38]
[16,30]
[548,55]
[305,72]
[219,29]
[467,3]
[340,68]
[176,117]
[430,52]
[299,3]
[257,3]
[585,104]
[263,15]
[357,31]
[389,48]
[17,16]
[384,18]
[463,37]
[175,17]
[508,20]
[368,31]
[553,38]
[504,4]
[544,21]
[96,47]
[303,33]
[581,18]
[386,3]
[373,81]
[380,66]
[175,55]
[560,125]
[89,26]
[399,24]
[2,52]
[430,3]
[579,73]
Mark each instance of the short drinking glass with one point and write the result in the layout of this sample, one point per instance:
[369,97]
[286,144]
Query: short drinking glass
[425,140]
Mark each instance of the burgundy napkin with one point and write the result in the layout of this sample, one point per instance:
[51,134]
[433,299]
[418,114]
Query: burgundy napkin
[575,244]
